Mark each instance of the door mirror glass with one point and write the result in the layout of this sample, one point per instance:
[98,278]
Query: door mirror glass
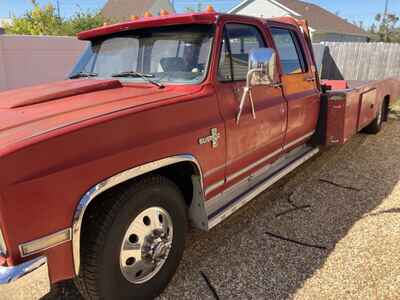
[262,67]
[262,71]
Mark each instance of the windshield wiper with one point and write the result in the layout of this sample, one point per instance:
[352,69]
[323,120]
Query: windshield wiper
[146,77]
[83,74]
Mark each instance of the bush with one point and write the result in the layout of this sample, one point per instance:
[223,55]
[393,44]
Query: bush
[45,21]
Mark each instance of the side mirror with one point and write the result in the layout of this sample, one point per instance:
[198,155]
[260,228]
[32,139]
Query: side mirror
[262,67]
[262,71]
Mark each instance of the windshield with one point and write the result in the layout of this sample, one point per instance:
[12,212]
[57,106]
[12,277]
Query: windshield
[176,54]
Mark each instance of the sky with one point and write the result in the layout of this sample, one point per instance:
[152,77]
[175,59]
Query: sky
[353,10]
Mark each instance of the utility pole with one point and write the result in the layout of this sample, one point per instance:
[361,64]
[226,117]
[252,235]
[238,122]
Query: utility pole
[386,8]
[385,20]
[58,9]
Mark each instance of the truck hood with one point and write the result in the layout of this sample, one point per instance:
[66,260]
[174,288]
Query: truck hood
[30,112]
[48,92]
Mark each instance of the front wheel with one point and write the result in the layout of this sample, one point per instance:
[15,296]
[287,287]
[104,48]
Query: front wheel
[134,246]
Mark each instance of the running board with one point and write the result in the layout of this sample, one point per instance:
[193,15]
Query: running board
[259,188]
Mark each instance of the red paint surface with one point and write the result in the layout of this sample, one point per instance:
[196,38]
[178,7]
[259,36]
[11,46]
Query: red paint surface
[336,84]
[357,109]
[145,22]
[53,91]
[59,140]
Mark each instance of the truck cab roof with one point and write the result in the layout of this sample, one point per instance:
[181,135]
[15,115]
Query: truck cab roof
[173,19]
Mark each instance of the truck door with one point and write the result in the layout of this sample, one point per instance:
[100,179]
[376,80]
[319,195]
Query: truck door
[300,85]
[251,143]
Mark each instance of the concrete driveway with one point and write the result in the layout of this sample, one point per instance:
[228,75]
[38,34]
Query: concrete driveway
[331,230]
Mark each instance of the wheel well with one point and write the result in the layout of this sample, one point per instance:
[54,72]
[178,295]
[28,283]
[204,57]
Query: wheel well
[386,102]
[180,173]
[183,170]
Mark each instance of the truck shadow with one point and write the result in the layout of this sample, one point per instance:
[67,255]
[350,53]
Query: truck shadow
[271,248]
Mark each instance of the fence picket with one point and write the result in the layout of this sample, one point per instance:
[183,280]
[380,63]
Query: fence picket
[361,61]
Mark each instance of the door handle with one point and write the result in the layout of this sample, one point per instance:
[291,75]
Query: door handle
[311,79]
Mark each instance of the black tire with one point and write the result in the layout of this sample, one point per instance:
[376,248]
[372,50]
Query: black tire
[100,274]
[376,125]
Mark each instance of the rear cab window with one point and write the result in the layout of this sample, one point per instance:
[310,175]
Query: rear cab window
[291,54]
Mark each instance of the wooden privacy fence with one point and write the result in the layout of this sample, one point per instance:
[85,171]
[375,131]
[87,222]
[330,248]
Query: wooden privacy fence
[30,60]
[359,61]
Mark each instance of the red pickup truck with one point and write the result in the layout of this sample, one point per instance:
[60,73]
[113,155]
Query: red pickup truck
[164,120]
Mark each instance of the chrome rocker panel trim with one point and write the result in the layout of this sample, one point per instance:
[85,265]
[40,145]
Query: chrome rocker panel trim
[11,274]
[115,180]
[246,195]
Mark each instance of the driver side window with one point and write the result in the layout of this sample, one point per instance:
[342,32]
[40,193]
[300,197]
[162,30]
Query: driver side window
[239,40]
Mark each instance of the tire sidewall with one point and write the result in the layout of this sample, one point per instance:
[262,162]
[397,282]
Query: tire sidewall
[113,285]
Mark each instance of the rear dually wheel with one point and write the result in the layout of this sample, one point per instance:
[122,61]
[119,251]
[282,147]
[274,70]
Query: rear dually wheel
[376,125]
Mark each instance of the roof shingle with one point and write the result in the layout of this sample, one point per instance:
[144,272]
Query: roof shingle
[321,19]
[122,10]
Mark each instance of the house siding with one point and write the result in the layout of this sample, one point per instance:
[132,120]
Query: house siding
[269,9]
[258,9]
[318,37]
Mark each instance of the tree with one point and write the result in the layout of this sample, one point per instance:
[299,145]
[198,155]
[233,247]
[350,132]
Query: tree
[82,21]
[194,9]
[387,31]
[38,21]
[45,21]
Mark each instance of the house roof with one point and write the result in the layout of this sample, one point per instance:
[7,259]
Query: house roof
[319,19]
[121,10]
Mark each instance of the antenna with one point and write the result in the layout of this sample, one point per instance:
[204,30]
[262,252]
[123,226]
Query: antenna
[385,19]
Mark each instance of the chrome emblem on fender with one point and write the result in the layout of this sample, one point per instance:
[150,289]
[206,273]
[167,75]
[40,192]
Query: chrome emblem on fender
[213,138]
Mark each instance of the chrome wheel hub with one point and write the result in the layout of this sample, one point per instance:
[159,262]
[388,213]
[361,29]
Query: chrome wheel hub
[146,245]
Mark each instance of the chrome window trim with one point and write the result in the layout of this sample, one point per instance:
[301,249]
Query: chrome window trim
[113,181]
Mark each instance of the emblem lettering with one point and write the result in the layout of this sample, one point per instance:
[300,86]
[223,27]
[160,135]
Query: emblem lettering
[213,138]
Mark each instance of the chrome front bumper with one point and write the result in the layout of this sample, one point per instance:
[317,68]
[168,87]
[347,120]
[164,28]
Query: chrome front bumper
[10,276]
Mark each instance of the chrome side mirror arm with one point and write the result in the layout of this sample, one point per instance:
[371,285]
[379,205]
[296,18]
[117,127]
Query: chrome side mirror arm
[247,94]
